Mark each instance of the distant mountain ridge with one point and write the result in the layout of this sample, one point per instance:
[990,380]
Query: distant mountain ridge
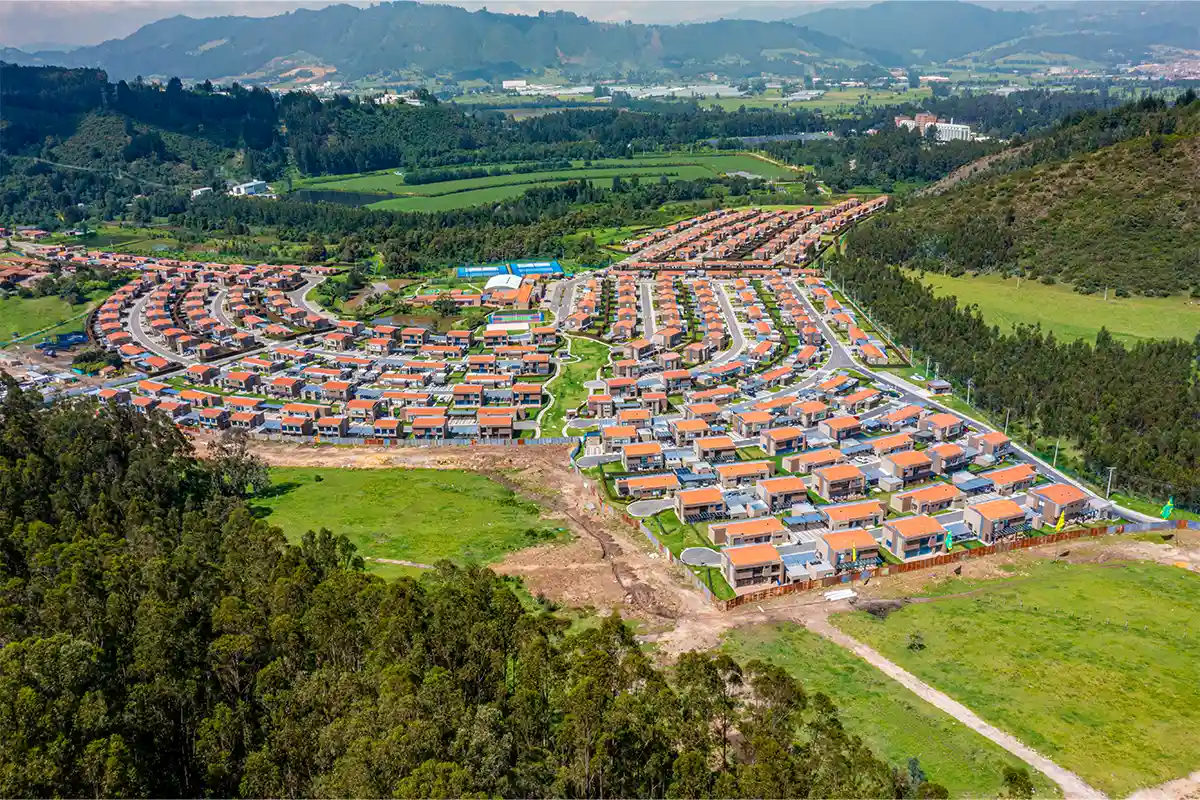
[439,40]
[900,32]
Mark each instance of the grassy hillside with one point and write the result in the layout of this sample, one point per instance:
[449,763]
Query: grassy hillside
[1112,200]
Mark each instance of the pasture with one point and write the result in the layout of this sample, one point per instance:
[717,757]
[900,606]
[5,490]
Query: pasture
[467,192]
[419,515]
[1092,665]
[1069,314]
[895,723]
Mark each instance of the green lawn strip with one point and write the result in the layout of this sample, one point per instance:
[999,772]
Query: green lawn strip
[894,722]
[1093,666]
[568,389]
[1069,314]
[1151,507]
[419,515]
[677,536]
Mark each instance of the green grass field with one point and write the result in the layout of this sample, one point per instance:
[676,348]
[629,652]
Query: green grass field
[568,388]
[1069,314]
[420,515]
[475,191]
[21,316]
[894,722]
[1093,666]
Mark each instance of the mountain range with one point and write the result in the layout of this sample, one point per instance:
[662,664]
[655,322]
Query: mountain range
[399,37]
[415,41]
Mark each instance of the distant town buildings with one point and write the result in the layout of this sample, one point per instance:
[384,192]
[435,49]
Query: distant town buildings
[942,131]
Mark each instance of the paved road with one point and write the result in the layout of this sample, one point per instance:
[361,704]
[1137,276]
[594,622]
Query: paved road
[648,322]
[561,295]
[298,298]
[218,309]
[735,330]
[1071,784]
[142,336]
[842,358]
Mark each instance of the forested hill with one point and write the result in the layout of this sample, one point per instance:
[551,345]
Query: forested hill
[157,640]
[427,39]
[1107,199]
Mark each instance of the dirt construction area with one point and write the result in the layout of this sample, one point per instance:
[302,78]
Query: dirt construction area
[608,566]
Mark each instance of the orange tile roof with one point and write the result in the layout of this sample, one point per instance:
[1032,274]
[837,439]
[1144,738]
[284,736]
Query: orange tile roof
[668,481]
[783,434]
[852,510]
[909,458]
[788,483]
[755,527]
[714,442]
[643,449]
[839,472]
[751,554]
[1010,475]
[701,496]
[820,456]
[853,538]
[1060,493]
[934,493]
[944,420]
[741,469]
[618,431]
[922,525]
[999,509]
[841,423]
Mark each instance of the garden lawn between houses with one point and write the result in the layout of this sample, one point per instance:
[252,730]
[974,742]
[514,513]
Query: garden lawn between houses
[419,515]
[1094,666]
[22,316]
[568,388]
[895,723]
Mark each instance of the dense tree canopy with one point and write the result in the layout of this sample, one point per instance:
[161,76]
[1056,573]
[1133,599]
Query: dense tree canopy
[156,639]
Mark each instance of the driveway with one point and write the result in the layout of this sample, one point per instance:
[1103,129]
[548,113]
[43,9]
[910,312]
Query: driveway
[648,508]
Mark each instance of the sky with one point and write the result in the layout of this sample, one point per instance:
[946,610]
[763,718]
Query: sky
[53,24]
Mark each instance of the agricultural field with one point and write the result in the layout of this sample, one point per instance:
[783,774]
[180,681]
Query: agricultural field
[1092,665]
[474,191]
[831,101]
[418,515]
[1069,314]
[22,316]
[895,723]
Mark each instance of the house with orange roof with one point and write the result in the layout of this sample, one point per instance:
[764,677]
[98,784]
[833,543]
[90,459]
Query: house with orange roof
[647,486]
[925,500]
[992,443]
[336,427]
[873,355]
[779,441]
[638,417]
[752,565]
[946,458]
[849,549]
[895,443]
[863,514]
[804,463]
[687,431]
[839,481]
[1010,480]
[709,412]
[909,466]
[916,537]
[601,405]
[749,423]
[743,473]
[215,418]
[858,401]
[809,412]
[715,449]
[693,505]
[782,493]
[994,520]
[902,417]
[615,437]
[1055,499]
[642,456]
[764,530]
[839,428]
[943,426]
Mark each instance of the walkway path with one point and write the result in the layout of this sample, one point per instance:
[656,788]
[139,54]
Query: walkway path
[1071,784]
[1187,786]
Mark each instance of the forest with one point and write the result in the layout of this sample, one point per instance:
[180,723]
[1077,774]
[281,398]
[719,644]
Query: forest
[1133,408]
[1105,200]
[157,639]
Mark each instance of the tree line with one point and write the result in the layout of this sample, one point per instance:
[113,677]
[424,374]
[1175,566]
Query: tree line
[1135,408]
[158,639]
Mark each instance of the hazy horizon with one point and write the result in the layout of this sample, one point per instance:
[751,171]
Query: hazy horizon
[57,24]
